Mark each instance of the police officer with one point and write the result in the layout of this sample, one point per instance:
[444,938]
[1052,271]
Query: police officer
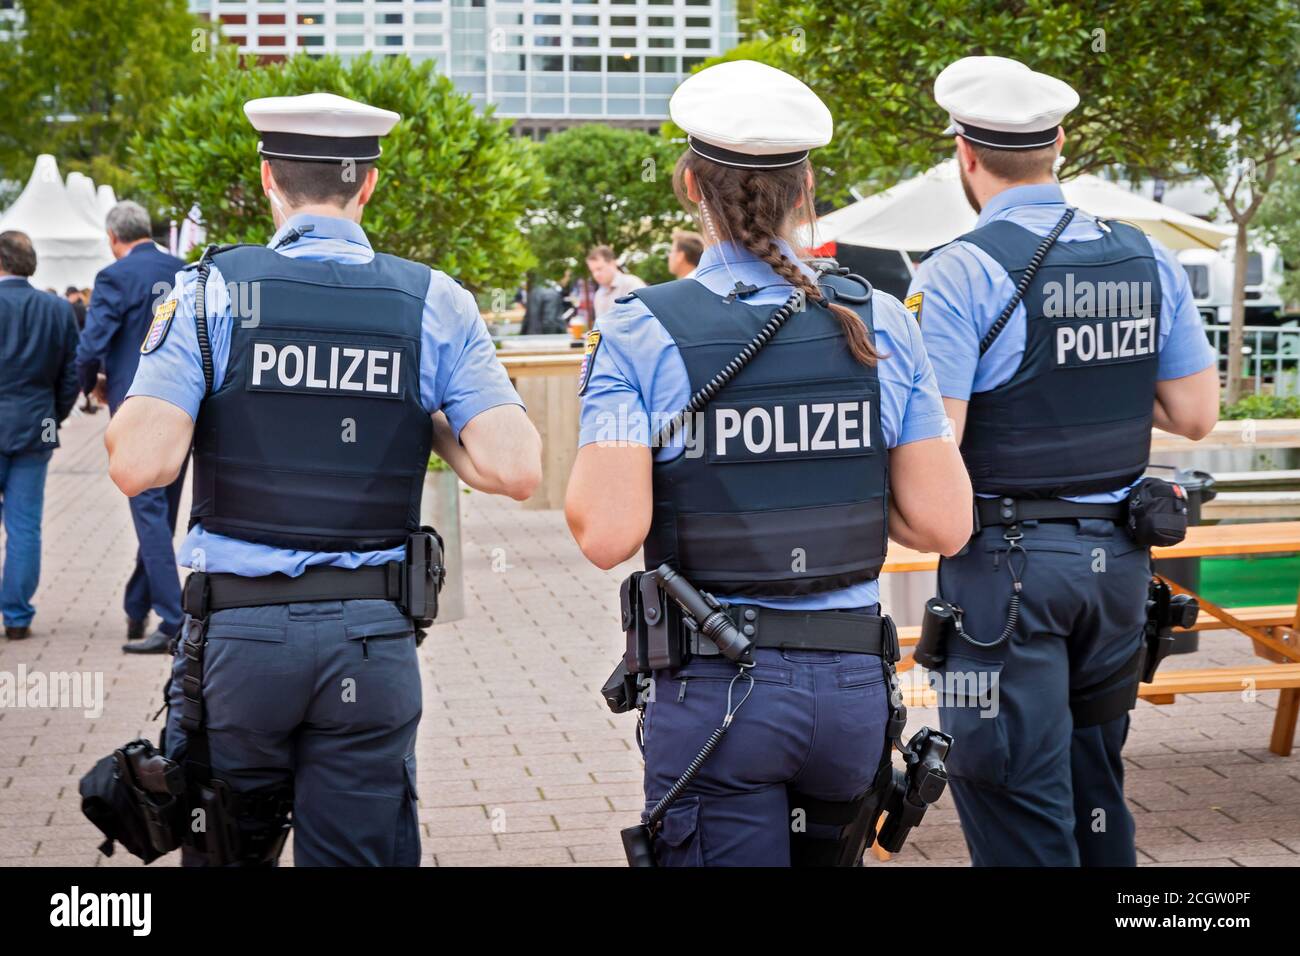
[313,379]
[776,497]
[1053,406]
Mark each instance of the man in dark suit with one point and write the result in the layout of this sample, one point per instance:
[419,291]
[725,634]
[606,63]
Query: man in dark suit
[121,308]
[38,387]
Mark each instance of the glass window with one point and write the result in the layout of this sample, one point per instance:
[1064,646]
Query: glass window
[548,63]
[584,64]
[627,63]
[585,41]
[622,21]
[661,64]
[622,42]
[624,106]
[349,19]
[660,43]
[585,20]
[698,43]
[698,22]
[546,41]
[546,19]
[660,21]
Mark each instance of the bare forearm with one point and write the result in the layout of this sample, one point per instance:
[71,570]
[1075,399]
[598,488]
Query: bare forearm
[147,443]
[504,452]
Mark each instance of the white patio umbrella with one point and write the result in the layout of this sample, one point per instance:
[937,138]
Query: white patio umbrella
[930,210]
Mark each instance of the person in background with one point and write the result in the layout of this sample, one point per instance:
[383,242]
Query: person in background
[684,254]
[544,308]
[116,324]
[612,282]
[38,342]
[78,302]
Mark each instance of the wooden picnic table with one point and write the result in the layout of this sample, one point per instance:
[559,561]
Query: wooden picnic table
[1205,541]
[1278,643]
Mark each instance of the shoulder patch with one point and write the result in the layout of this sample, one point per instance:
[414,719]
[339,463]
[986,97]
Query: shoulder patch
[913,304]
[158,328]
[588,359]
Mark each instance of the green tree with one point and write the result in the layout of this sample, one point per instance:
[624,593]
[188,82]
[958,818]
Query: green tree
[453,183]
[1149,72]
[1279,222]
[1246,140]
[81,76]
[607,186]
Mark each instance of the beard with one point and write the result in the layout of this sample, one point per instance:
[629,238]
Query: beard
[965,188]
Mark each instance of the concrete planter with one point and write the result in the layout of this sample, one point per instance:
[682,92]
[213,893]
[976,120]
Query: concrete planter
[440,507]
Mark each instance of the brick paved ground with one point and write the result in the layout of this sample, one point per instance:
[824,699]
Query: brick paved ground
[520,763]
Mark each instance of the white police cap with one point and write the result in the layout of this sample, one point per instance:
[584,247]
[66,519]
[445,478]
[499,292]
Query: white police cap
[319,127]
[999,102]
[747,114]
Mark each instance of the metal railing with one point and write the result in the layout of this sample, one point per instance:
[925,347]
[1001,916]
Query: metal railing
[1271,360]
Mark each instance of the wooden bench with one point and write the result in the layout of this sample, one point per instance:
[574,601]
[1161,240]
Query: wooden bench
[1214,680]
[1264,615]
[1274,629]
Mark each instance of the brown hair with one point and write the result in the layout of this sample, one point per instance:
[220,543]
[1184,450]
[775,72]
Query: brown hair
[756,208]
[689,244]
[1016,165]
[17,257]
[601,252]
[333,183]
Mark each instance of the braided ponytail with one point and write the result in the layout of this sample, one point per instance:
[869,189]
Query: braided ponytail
[756,208]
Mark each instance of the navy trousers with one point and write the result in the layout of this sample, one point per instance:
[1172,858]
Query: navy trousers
[815,723]
[155,583]
[326,696]
[1030,789]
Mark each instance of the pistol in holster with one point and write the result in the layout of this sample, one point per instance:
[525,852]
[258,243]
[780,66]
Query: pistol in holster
[1165,611]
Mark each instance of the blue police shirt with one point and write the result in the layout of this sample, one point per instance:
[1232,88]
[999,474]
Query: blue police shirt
[459,375]
[638,380]
[965,291]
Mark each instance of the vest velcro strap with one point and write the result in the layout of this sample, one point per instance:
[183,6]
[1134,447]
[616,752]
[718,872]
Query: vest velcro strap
[320,583]
[850,632]
[1008,511]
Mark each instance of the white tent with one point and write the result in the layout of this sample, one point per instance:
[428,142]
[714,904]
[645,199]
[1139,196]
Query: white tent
[81,193]
[931,209]
[106,199]
[70,249]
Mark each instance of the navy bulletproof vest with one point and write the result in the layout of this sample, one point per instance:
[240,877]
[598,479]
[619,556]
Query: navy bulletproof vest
[1076,416]
[783,487]
[316,438]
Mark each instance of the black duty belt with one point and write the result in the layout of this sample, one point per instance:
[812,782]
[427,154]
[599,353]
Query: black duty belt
[852,632]
[1007,511]
[205,593]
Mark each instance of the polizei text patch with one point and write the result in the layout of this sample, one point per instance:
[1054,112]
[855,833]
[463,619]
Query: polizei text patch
[328,368]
